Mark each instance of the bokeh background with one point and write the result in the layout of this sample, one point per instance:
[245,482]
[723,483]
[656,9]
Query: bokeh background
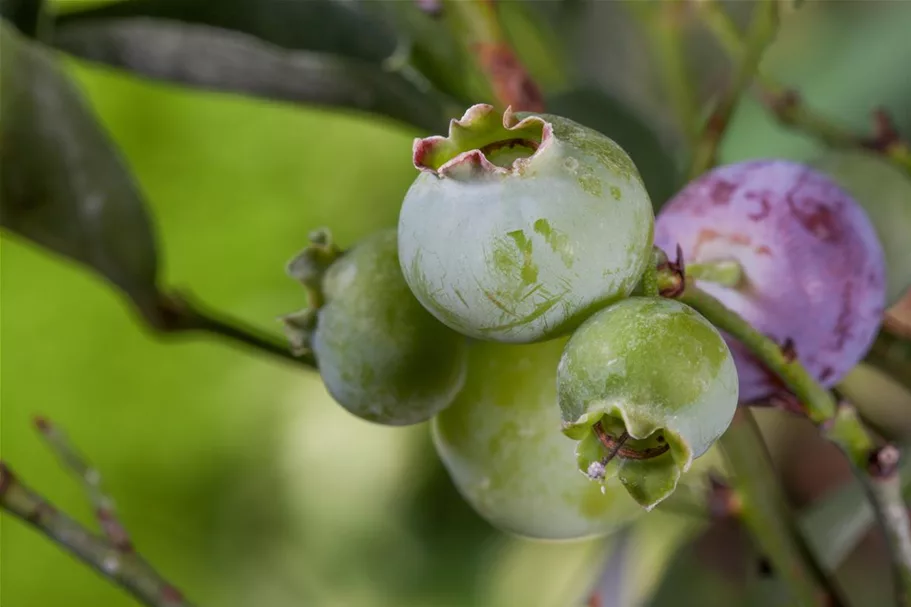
[237,475]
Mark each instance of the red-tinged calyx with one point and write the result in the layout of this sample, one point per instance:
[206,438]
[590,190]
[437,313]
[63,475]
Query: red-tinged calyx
[483,141]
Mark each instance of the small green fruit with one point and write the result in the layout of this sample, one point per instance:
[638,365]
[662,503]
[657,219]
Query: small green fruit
[381,355]
[653,370]
[502,446]
[521,225]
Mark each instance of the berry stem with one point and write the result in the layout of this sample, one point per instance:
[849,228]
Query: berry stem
[838,423]
[728,272]
[789,108]
[765,512]
[110,554]
[179,315]
[885,491]
[478,28]
[763,26]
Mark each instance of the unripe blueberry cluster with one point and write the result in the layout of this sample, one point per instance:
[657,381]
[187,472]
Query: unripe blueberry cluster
[533,235]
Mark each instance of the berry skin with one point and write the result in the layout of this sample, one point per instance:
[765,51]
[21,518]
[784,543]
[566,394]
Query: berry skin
[813,266]
[381,355]
[656,370]
[501,443]
[885,193]
[520,226]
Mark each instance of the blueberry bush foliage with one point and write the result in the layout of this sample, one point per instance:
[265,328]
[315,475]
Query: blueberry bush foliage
[666,355]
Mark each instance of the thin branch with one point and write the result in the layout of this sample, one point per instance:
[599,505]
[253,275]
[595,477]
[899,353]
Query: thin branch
[111,555]
[102,506]
[885,491]
[763,27]
[791,110]
[839,423]
[663,24]
[726,272]
[177,314]
[478,27]
[765,512]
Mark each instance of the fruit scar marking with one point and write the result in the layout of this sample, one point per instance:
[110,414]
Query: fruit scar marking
[537,313]
[721,192]
[707,235]
[531,292]
[821,222]
[765,205]
[506,256]
[461,297]
[843,323]
[499,304]
[557,240]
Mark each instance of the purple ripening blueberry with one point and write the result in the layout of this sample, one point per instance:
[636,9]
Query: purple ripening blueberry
[813,267]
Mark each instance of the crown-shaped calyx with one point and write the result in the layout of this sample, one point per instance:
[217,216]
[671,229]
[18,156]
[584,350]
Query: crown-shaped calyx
[483,141]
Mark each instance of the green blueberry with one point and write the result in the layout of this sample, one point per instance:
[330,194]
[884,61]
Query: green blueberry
[519,226]
[645,386]
[502,445]
[381,355]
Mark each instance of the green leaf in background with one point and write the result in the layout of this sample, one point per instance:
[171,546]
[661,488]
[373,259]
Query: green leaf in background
[892,355]
[885,193]
[882,400]
[598,110]
[64,185]
[230,61]
[336,27]
[826,50]
[26,15]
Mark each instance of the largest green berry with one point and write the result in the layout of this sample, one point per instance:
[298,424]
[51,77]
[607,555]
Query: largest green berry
[520,226]
[648,384]
[502,445]
[379,352]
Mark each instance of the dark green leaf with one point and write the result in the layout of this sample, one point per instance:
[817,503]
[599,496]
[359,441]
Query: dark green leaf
[223,60]
[24,14]
[597,110]
[327,26]
[63,183]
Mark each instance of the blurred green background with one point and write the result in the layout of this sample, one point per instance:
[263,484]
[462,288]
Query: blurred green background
[237,475]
